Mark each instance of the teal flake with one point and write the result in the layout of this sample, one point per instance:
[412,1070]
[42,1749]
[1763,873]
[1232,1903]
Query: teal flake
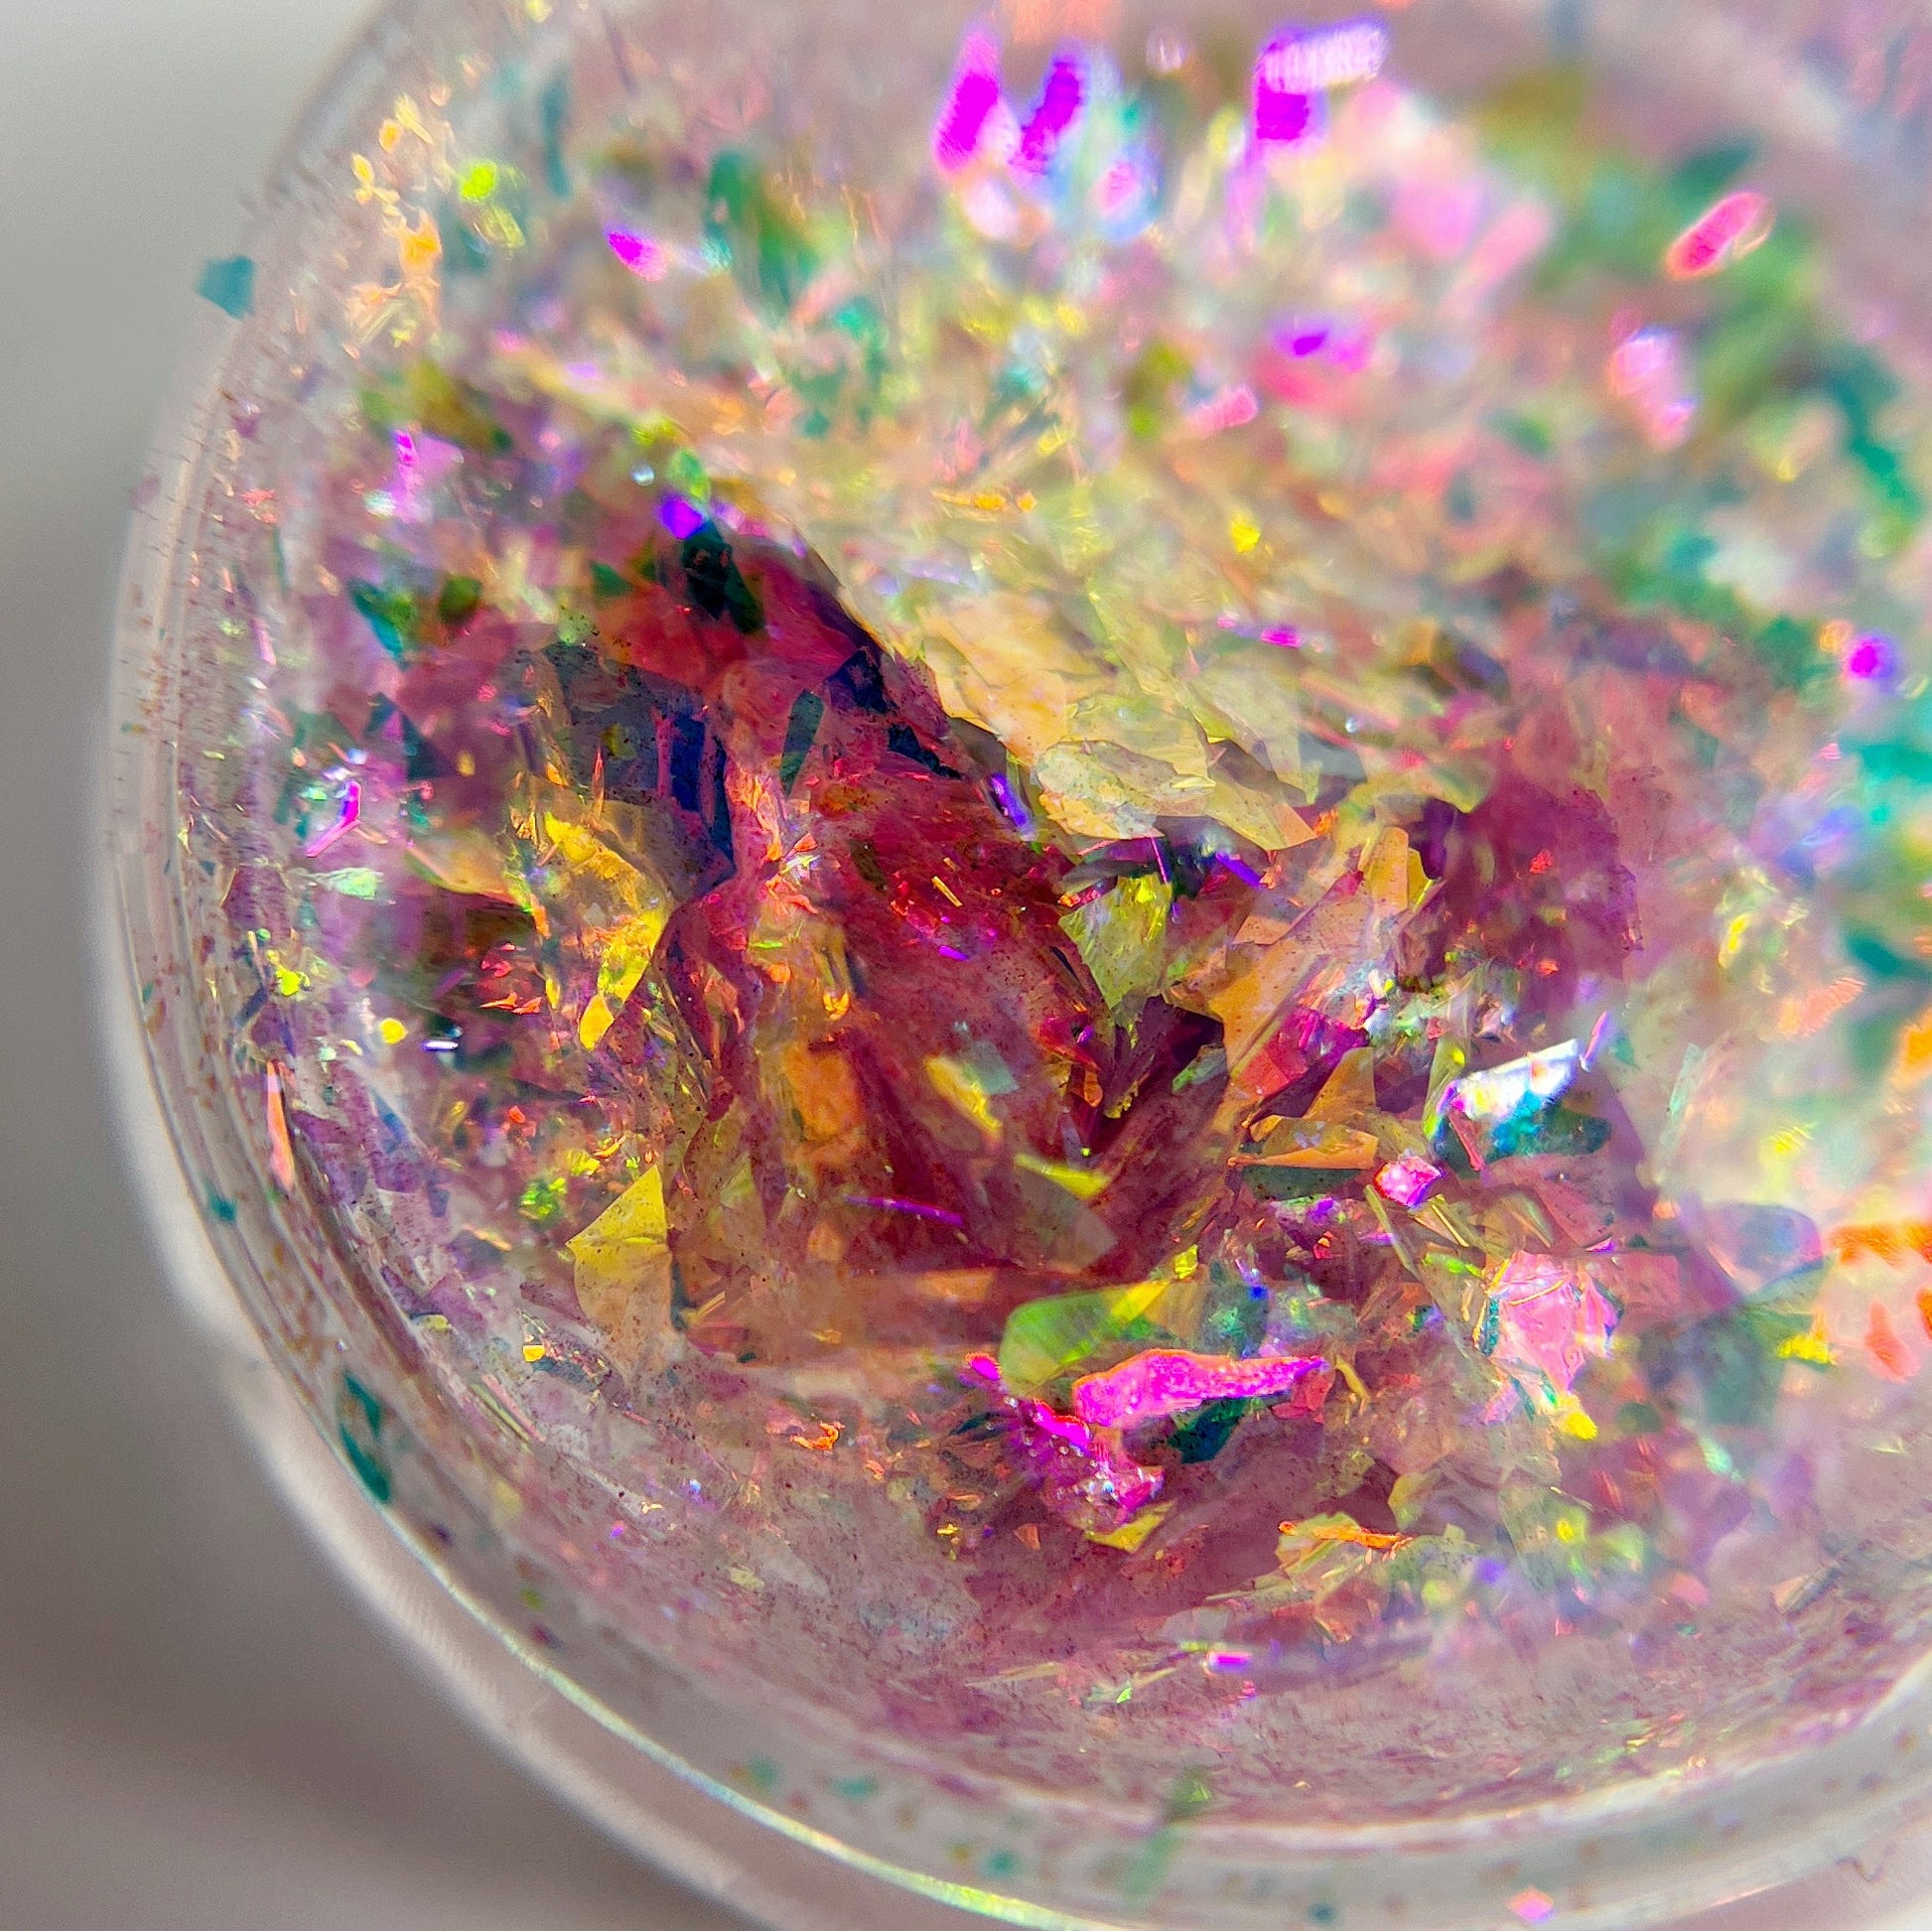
[358,1427]
[553,109]
[229,283]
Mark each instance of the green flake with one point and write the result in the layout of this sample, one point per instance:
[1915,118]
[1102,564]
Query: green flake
[717,584]
[459,600]
[1733,1359]
[763,238]
[542,1200]
[390,613]
[428,396]
[1045,1338]
[801,727]
[1208,1430]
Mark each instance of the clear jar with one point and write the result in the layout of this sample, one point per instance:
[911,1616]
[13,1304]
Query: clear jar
[469,1537]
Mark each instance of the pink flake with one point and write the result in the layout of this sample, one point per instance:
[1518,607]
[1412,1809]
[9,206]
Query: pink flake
[349,812]
[1351,349]
[1533,1906]
[1331,57]
[1123,197]
[1441,214]
[1408,1180]
[975,95]
[681,517]
[1646,370]
[1300,339]
[1871,659]
[1547,1318]
[1086,1479]
[1061,97]
[1310,1396]
[1282,118]
[1227,408]
[644,257]
[1723,234]
[1514,238]
[1076,1435]
[1169,1381]
[423,462]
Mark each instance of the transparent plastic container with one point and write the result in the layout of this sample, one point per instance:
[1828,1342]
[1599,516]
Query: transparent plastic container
[749,1789]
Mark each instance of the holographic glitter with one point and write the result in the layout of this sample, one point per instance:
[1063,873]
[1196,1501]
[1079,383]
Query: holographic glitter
[1140,926]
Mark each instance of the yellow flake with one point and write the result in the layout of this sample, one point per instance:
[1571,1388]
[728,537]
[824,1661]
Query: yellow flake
[1349,1091]
[622,1266]
[1811,1347]
[1134,1532]
[1388,872]
[1320,1144]
[391,1032]
[463,859]
[1122,936]
[1080,1181]
[635,1216]
[964,1087]
[601,891]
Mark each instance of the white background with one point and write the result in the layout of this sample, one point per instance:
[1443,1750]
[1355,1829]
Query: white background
[198,1732]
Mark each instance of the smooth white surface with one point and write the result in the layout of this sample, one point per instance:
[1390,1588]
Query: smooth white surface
[196,1729]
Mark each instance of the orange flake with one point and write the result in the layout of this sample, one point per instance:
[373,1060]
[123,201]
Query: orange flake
[1880,1239]
[281,1154]
[1799,1018]
[1892,1358]
[824,1438]
[823,1090]
[1885,1240]
[1345,1531]
[1914,1051]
